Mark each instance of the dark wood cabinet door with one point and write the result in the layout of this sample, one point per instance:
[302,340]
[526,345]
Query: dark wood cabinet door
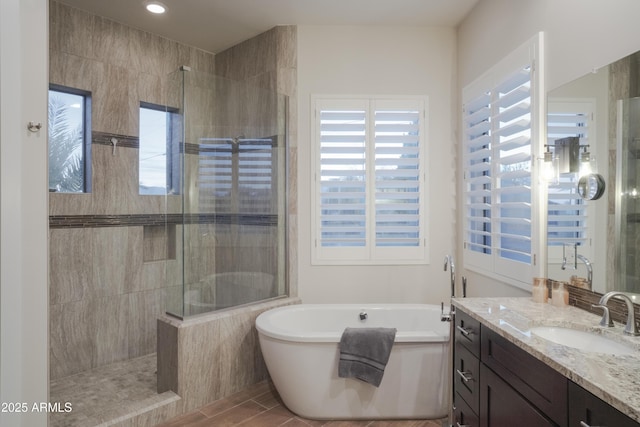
[462,413]
[502,406]
[540,385]
[588,409]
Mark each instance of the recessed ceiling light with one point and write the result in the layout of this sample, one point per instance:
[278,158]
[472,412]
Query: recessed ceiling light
[155,7]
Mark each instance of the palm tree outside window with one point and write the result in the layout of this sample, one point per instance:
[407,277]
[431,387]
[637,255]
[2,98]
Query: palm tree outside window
[68,148]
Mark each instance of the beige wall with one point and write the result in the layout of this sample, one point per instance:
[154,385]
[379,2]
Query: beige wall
[353,60]
[580,35]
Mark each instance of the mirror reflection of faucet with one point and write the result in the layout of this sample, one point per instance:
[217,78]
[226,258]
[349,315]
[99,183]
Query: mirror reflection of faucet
[572,256]
[587,263]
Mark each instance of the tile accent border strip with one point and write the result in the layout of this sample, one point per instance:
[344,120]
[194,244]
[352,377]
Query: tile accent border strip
[104,138]
[94,221]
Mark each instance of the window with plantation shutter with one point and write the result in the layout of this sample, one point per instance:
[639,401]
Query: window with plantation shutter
[501,128]
[567,212]
[235,175]
[369,185]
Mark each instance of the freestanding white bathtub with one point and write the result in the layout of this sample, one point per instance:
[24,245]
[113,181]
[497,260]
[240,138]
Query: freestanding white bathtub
[300,348]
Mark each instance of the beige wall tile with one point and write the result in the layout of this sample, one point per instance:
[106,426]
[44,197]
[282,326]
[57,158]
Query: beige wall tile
[115,187]
[117,260]
[109,320]
[70,338]
[143,310]
[71,30]
[70,253]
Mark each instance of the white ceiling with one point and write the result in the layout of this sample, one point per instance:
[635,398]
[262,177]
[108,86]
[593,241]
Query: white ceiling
[214,25]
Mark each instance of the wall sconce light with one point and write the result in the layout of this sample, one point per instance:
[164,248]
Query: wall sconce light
[550,167]
[569,159]
[567,150]
[587,162]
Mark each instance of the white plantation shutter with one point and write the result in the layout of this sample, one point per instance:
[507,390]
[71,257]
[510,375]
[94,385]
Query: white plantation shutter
[216,175]
[511,127]
[343,177]
[235,175]
[567,212]
[500,130]
[370,185]
[256,169]
[477,173]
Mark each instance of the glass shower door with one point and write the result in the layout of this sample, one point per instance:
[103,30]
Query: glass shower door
[233,188]
[628,197]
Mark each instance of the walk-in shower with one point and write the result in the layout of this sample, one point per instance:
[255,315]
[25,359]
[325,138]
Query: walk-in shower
[182,211]
[228,142]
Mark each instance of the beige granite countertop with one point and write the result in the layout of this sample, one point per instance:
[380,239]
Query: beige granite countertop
[613,378]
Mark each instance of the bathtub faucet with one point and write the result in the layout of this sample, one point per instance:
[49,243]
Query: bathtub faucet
[448,261]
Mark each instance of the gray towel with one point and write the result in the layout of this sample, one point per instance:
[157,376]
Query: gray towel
[364,353]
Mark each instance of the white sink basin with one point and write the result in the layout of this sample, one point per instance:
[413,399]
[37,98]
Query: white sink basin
[581,340]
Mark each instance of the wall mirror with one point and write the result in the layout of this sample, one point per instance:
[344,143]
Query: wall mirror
[601,112]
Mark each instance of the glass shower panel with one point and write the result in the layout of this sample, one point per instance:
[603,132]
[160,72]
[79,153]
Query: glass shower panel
[233,191]
[628,197]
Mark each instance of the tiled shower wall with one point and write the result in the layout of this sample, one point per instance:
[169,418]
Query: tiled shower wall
[111,275]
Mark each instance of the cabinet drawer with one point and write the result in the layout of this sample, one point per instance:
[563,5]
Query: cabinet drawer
[466,373]
[589,409]
[463,416]
[467,332]
[545,388]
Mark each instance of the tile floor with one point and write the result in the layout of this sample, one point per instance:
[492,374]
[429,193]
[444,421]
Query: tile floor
[260,406]
[107,393]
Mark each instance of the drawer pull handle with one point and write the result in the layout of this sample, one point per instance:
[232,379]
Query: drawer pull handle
[465,332]
[466,376]
[462,425]
[583,424]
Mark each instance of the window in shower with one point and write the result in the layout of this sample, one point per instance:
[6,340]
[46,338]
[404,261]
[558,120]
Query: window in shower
[69,113]
[370,181]
[238,175]
[158,173]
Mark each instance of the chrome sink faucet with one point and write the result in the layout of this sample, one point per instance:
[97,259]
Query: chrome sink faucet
[630,328]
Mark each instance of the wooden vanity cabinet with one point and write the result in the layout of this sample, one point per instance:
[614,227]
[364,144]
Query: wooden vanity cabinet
[491,381]
[498,384]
